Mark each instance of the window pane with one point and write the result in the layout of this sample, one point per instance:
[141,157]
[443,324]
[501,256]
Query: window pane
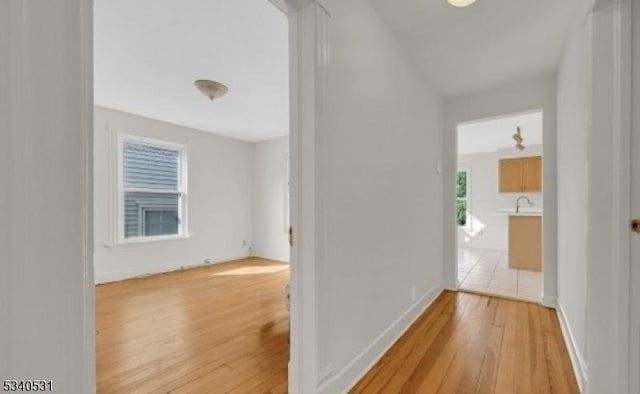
[160,222]
[137,205]
[461,214]
[149,167]
[462,184]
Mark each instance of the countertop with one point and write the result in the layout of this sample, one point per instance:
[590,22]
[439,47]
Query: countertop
[524,211]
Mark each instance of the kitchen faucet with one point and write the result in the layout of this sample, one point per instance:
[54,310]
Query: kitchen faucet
[518,202]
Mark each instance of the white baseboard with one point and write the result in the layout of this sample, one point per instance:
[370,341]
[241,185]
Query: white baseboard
[266,257]
[579,365]
[101,278]
[346,378]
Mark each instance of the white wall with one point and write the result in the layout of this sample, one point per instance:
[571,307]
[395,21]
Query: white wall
[219,199]
[381,193]
[490,230]
[46,291]
[573,96]
[270,199]
[534,94]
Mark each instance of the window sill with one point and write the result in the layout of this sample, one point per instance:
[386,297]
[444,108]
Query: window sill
[137,242]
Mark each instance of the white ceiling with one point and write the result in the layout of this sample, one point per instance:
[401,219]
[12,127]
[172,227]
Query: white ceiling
[488,44]
[148,53]
[489,135]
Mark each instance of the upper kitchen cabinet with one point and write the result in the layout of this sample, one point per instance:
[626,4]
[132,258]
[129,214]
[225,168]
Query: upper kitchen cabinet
[532,174]
[510,176]
[521,175]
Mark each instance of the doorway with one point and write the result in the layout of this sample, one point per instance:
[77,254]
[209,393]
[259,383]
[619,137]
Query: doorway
[499,206]
[177,197]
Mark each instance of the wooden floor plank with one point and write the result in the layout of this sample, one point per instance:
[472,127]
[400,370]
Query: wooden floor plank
[217,326]
[463,374]
[505,382]
[476,344]
[556,354]
[432,369]
[426,359]
[391,368]
[501,312]
[539,369]
[395,380]
[523,375]
[179,333]
[489,369]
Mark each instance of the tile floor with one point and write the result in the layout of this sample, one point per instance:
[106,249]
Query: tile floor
[487,271]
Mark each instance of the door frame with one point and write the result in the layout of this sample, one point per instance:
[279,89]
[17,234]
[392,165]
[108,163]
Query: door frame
[609,302]
[549,274]
[497,104]
[309,60]
[634,296]
[308,56]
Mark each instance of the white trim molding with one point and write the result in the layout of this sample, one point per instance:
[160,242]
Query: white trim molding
[609,205]
[46,171]
[308,48]
[577,360]
[634,258]
[289,7]
[346,378]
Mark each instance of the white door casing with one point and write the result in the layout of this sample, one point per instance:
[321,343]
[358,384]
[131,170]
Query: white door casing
[308,53]
[634,307]
[46,243]
[36,46]
[609,198]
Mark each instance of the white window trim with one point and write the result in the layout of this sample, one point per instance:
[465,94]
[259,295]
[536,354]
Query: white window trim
[118,233]
[469,224]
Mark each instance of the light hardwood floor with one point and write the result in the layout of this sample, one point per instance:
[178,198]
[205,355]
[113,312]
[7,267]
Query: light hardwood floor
[224,328]
[216,329]
[467,343]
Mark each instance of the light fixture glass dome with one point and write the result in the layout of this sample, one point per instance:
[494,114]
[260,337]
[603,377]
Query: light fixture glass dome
[211,89]
[461,3]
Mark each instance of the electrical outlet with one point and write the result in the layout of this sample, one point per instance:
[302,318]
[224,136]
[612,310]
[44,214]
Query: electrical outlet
[413,294]
[208,261]
[244,242]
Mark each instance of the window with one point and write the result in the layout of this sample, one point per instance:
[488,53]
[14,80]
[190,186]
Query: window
[152,189]
[462,179]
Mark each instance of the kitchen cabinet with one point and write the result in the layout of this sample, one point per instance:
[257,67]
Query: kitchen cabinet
[510,176]
[520,175]
[525,242]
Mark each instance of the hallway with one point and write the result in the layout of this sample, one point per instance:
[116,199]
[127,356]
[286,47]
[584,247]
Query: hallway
[470,343]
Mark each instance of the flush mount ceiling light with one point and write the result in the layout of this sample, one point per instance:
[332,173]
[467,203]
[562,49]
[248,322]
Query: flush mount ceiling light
[517,137]
[211,89]
[461,3]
